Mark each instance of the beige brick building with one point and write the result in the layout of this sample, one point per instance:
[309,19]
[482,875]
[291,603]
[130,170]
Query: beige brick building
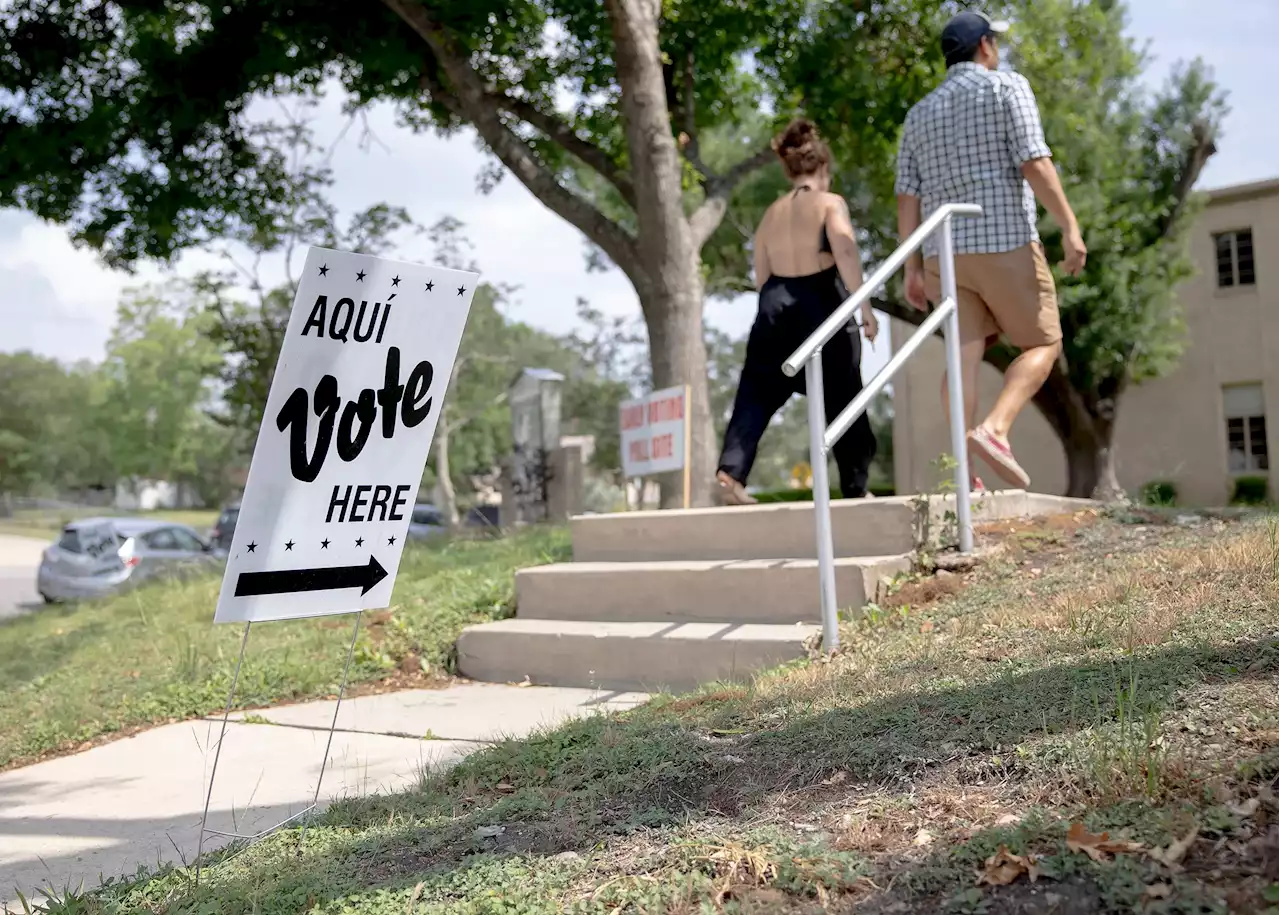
[1211,420]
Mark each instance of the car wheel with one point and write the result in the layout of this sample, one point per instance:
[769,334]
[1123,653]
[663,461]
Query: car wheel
[48,599]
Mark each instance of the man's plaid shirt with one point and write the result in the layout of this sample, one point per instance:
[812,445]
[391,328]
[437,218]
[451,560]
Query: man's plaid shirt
[965,142]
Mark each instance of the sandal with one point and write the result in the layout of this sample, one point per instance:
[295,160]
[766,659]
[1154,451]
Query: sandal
[732,492]
[1000,456]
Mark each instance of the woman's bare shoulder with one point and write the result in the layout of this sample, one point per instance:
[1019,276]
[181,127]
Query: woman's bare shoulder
[769,214]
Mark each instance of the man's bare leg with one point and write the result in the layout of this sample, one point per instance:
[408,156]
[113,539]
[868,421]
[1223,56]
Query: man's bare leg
[970,365]
[1024,377]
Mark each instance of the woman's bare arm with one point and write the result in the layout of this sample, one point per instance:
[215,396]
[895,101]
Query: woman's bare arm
[763,270]
[844,247]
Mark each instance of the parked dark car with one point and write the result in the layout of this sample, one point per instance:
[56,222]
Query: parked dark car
[426,521]
[224,527]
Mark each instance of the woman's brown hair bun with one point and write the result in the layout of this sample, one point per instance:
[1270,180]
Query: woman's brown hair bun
[801,149]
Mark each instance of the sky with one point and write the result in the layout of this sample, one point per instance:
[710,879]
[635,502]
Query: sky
[60,301]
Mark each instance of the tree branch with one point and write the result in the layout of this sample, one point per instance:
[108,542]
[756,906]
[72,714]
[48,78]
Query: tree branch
[706,218]
[1201,150]
[689,146]
[560,133]
[477,106]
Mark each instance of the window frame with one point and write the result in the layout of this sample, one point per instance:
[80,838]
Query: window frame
[1246,429]
[1232,236]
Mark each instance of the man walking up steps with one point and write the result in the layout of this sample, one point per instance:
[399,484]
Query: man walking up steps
[977,138]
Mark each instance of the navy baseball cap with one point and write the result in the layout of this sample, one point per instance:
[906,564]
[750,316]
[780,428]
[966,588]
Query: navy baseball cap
[965,30]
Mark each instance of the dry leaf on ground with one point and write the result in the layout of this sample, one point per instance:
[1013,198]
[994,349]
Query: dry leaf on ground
[1008,819]
[1244,808]
[1004,867]
[1098,847]
[1172,856]
[923,838]
[1158,891]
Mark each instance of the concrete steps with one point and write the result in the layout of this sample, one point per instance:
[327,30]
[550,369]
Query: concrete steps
[872,527]
[696,590]
[649,657]
[673,599]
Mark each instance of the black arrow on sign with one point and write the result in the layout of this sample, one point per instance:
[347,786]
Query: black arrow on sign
[291,581]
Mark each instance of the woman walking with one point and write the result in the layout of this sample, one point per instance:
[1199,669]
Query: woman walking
[804,247]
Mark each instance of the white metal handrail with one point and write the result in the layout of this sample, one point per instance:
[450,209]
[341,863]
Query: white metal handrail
[822,437]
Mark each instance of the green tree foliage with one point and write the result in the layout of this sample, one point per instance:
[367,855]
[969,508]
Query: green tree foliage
[158,376]
[53,426]
[164,159]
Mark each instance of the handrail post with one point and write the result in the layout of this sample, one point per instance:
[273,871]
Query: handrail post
[955,387]
[816,403]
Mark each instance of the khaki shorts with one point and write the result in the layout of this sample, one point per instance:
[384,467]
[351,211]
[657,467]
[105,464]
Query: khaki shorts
[1009,293]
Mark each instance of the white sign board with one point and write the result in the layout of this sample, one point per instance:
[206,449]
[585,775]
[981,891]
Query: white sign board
[353,406]
[655,432]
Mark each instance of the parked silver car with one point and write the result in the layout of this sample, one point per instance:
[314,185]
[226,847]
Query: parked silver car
[98,556]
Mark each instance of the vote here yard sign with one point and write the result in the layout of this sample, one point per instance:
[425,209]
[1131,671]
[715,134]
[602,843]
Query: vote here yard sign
[353,405]
[655,430]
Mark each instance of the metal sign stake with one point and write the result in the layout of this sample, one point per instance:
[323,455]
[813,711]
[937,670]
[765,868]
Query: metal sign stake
[217,754]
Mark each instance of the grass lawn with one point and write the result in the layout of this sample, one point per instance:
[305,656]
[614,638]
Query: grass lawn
[77,673]
[46,524]
[1097,676]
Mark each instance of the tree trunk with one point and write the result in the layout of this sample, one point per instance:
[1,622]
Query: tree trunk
[670,284]
[443,479]
[678,355]
[1086,427]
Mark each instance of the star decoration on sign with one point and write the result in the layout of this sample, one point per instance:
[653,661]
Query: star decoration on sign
[461,290]
[391,541]
[289,545]
[324,271]
[430,285]
[324,544]
[395,281]
[359,541]
[360,277]
[251,547]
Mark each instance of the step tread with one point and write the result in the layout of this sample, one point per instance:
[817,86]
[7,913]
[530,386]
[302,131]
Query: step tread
[604,629]
[702,565]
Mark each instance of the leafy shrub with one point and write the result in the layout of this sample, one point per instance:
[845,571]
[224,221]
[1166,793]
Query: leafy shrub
[1251,491]
[1159,492]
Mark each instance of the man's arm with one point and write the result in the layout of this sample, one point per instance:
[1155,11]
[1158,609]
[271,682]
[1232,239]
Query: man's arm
[1025,138]
[908,222]
[1043,178]
[908,188]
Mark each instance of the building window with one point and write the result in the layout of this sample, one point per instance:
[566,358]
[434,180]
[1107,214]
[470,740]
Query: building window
[1235,258]
[1245,413]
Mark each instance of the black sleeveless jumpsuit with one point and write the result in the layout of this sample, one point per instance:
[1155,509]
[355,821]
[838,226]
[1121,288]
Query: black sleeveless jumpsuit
[791,308]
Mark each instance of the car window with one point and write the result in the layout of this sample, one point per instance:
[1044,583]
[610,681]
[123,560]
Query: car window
[161,539]
[69,541]
[426,516]
[187,540]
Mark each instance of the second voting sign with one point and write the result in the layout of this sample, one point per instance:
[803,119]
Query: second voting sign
[353,406]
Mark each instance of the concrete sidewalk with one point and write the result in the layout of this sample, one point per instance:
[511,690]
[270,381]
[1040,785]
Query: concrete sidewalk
[71,821]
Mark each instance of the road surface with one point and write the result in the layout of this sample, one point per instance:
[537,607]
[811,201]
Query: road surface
[19,559]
